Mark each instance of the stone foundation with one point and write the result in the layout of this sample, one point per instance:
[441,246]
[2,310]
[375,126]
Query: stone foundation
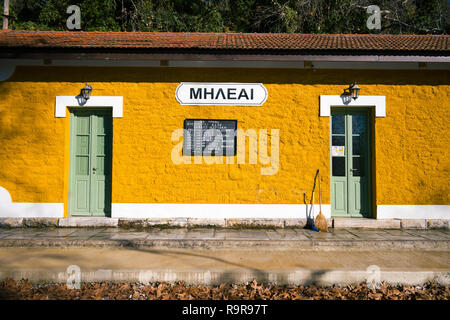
[135,223]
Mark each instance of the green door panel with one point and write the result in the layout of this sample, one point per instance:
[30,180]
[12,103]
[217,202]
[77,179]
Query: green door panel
[82,196]
[90,163]
[81,190]
[350,162]
[339,196]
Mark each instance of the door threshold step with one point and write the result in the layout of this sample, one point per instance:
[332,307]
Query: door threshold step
[369,223]
[88,222]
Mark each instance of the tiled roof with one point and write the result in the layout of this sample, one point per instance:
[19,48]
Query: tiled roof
[221,41]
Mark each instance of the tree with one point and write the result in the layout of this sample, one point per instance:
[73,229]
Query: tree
[299,16]
[51,14]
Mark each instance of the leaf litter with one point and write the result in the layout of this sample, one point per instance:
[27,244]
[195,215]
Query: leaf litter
[25,290]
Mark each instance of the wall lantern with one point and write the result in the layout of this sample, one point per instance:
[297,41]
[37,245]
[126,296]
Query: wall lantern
[353,91]
[86,92]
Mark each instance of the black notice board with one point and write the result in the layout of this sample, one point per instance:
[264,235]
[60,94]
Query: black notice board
[204,138]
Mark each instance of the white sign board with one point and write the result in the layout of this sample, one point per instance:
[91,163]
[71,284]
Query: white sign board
[221,94]
[337,151]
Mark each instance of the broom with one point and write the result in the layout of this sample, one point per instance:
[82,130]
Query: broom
[310,215]
[321,221]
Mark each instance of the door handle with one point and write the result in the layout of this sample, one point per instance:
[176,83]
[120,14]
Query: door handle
[353,170]
[93,170]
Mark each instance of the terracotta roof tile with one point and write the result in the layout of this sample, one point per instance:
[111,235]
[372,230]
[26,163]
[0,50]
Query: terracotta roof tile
[221,41]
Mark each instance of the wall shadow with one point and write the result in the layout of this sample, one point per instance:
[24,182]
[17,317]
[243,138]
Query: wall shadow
[267,76]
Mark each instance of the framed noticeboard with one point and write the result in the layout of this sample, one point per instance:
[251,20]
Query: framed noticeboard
[209,137]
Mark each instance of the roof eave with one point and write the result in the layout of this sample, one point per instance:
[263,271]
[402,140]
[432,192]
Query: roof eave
[223,55]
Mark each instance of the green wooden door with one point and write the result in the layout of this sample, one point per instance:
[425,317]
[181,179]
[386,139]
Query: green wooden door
[90,163]
[350,163]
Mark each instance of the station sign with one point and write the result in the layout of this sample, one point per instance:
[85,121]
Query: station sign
[221,94]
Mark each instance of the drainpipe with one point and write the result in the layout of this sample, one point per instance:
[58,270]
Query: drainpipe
[5,14]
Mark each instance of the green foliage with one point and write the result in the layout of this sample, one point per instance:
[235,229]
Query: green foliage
[99,15]
[291,16]
[194,16]
[50,15]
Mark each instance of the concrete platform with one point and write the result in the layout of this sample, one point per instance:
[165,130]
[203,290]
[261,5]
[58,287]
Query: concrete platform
[222,238]
[291,267]
[214,255]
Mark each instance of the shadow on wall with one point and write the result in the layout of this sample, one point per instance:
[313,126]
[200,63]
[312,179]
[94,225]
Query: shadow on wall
[17,159]
[9,209]
[267,76]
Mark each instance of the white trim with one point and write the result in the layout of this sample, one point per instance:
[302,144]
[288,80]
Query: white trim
[379,65]
[9,209]
[62,102]
[214,211]
[237,64]
[107,63]
[318,62]
[326,102]
[413,212]
[364,65]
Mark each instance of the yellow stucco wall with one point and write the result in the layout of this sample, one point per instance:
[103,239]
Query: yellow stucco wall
[411,144]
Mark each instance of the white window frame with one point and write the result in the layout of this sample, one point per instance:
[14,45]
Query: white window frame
[62,102]
[326,102]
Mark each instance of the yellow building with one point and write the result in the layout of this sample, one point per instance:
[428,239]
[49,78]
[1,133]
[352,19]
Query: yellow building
[223,126]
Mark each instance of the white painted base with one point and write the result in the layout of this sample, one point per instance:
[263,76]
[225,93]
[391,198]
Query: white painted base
[10,209]
[216,211]
[413,211]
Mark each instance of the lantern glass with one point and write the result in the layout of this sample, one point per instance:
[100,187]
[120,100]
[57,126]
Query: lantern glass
[86,91]
[354,91]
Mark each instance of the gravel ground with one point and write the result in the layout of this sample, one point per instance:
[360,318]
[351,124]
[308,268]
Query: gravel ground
[24,290]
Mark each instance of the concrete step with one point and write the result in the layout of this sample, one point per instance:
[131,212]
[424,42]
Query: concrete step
[88,222]
[274,245]
[371,223]
[216,277]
